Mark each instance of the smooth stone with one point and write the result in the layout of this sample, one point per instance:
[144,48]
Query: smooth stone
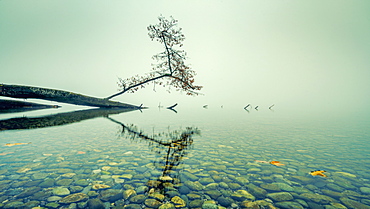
[132,206]
[194,185]
[95,204]
[206,181]
[76,197]
[280,196]
[196,203]
[31,204]
[111,195]
[241,195]
[214,194]
[47,183]
[29,191]
[270,187]
[365,190]
[128,193]
[257,191]
[317,198]
[241,180]
[223,185]
[105,176]
[54,198]
[193,196]
[284,187]
[82,182]
[61,191]
[190,176]
[100,186]
[92,194]
[75,189]
[126,176]
[64,182]
[15,204]
[52,205]
[209,206]
[184,189]
[167,205]
[225,201]
[353,204]
[157,196]
[39,176]
[152,203]
[211,186]
[68,175]
[289,205]
[138,199]
[178,202]
[334,187]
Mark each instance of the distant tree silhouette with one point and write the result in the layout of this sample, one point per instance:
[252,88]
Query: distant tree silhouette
[170,69]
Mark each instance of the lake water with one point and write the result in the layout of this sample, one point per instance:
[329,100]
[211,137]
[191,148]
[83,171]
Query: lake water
[151,159]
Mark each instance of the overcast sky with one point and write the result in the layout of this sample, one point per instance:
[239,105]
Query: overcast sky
[287,53]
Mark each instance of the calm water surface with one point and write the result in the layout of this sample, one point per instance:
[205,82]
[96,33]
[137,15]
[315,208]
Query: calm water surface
[140,159]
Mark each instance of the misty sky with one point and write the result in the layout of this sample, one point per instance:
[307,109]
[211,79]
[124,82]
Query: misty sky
[287,53]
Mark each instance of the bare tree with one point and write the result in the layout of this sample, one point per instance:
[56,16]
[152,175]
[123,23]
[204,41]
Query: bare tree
[170,69]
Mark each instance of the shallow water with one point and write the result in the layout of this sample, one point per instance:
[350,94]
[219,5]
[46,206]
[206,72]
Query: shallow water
[220,167]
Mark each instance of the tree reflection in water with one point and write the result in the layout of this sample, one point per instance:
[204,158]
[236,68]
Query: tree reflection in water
[170,147]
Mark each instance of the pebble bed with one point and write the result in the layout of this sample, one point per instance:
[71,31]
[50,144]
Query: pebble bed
[215,173]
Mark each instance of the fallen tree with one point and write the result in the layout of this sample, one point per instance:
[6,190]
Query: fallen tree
[31,92]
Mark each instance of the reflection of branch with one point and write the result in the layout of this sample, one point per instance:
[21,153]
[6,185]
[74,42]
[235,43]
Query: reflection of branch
[57,119]
[171,147]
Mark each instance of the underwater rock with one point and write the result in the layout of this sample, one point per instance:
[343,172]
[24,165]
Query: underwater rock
[189,176]
[214,194]
[138,199]
[100,186]
[52,205]
[178,202]
[167,206]
[152,203]
[64,182]
[206,181]
[111,195]
[289,204]
[241,195]
[365,190]
[197,203]
[54,198]
[61,191]
[194,185]
[209,206]
[257,191]
[317,198]
[95,204]
[29,191]
[15,204]
[47,183]
[270,187]
[225,201]
[81,182]
[76,197]
[353,204]
[128,193]
[280,196]
[211,186]
[39,176]
[68,175]
[284,187]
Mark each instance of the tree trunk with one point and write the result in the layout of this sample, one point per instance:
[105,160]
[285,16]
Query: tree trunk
[28,92]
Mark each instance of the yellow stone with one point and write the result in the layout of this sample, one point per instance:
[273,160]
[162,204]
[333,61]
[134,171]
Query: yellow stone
[179,203]
[100,186]
[105,168]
